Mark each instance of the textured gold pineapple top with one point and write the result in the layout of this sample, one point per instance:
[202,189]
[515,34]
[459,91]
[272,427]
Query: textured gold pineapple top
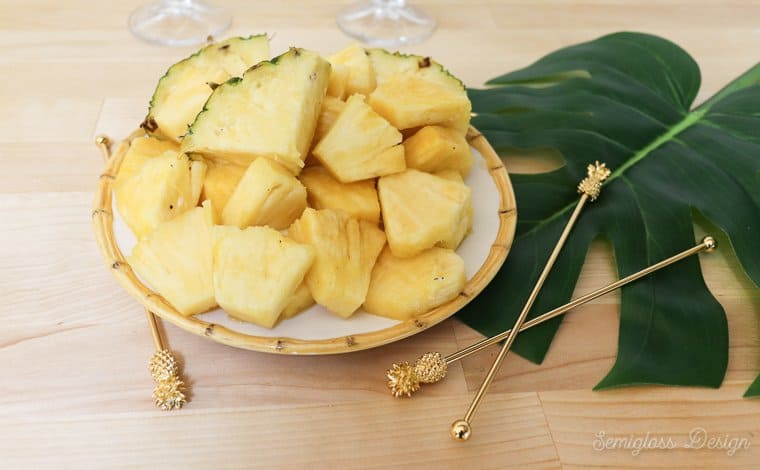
[592,184]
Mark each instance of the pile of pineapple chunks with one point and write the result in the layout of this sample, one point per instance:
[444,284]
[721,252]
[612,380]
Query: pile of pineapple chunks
[264,186]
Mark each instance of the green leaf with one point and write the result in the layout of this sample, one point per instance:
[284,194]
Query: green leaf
[754,389]
[626,99]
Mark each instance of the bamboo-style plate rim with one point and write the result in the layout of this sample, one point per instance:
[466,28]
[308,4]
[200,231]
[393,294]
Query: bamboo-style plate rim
[102,216]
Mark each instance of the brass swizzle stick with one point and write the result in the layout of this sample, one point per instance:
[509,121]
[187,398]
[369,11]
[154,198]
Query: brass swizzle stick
[589,188]
[169,391]
[431,367]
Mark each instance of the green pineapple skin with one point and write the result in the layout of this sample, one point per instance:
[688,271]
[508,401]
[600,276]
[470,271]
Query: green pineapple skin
[175,70]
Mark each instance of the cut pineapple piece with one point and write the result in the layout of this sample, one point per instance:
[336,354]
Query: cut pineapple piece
[175,260]
[404,287]
[360,145]
[411,101]
[219,184]
[266,195]
[361,75]
[390,65]
[331,109]
[336,87]
[359,199]
[451,175]
[421,211]
[300,301]
[142,149]
[160,189]
[270,112]
[436,148]
[182,91]
[346,250]
[257,271]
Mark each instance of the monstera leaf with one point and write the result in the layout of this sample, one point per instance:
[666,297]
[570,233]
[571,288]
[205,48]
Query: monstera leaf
[626,99]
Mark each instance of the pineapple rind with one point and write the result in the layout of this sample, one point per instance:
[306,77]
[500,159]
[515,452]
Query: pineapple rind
[256,272]
[271,111]
[213,64]
[176,261]
[404,287]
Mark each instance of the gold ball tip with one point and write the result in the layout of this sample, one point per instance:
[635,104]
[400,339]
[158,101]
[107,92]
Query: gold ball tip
[461,430]
[710,243]
[102,140]
[402,380]
[430,368]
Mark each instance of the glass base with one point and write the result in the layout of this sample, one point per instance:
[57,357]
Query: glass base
[178,23]
[385,23]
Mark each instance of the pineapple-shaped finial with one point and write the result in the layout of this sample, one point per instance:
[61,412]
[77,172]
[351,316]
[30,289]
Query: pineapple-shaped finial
[405,379]
[169,392]
[592,183]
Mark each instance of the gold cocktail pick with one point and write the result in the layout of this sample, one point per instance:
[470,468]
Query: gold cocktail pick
[589,188]
[169,391]
[432,367]
[405,379]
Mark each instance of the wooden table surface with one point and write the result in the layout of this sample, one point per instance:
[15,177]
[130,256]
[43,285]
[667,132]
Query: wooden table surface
[74,387]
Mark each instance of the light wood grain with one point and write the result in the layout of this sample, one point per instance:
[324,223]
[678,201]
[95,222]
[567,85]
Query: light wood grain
[74,387]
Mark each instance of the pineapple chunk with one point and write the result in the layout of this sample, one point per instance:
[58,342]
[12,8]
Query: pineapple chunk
[359,199]
[346,250]
[219,184]
[336,87]
[331,109]
[435,148]
[182,91]
[404,287]
[300,301]
[175,260]
[270,112]
[451,175]
[257,271]
[361,75]
[266,195]
[160,189]
[421,211]
[360,145]
[391,65]
[142,149]
[409,100]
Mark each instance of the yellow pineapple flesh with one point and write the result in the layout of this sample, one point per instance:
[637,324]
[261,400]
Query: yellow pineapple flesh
[331,109]
[346,250]
[267,194]
[360,144]
[299,301]
[404,287]
[270,112]
[219,184]
[336,87]
[358,199]
[161,188]
[436,148]
[142,149]
[361,74]
[256,272]
[408,101]
[182,91]
[176,261]
[421,211]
